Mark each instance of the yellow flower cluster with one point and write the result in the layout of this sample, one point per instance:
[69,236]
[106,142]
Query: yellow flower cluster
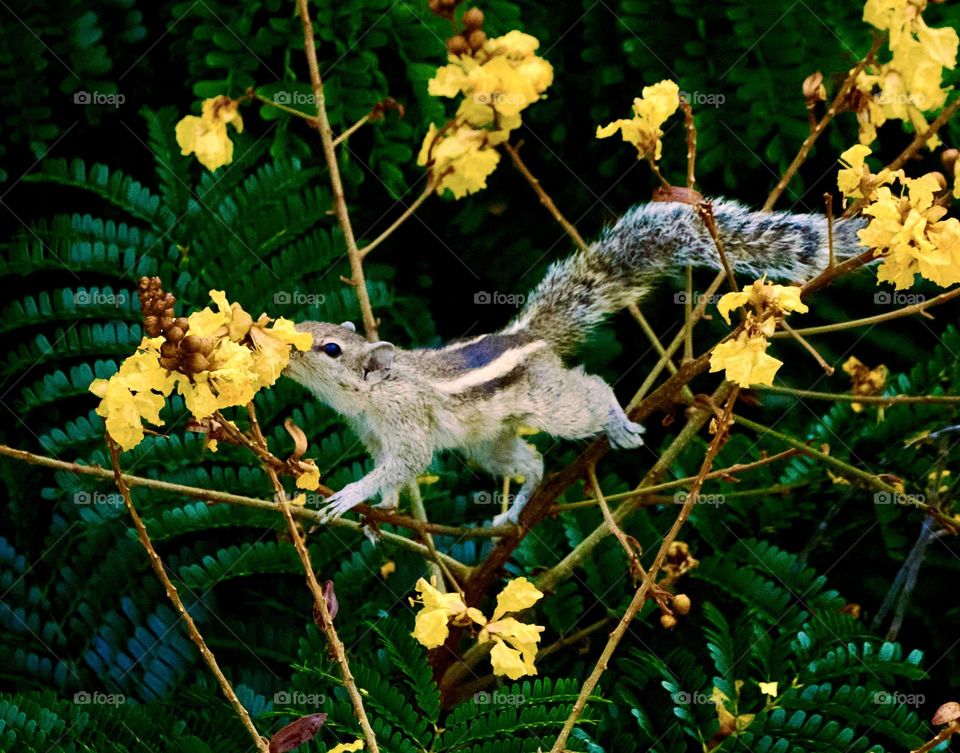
[855,179]
[497,83]
[515,642]
[245,357]
[910,233]
[911,83]
[644,129]
[206,136]
[744,358]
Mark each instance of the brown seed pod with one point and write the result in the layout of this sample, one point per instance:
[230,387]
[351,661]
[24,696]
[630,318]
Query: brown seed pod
[194,363]
[458,46]
[182,323]
[668,621]
[472,19]
[174,334]
[151,326]
[168,350]
[191,344]
[166,322]
[681,604]
[170,363]
[476,39]
[169,312]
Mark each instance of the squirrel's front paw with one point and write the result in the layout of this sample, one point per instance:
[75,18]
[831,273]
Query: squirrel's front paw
[346,499]
[625,434]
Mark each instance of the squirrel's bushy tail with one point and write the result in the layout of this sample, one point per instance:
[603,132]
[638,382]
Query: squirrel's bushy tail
[654,239]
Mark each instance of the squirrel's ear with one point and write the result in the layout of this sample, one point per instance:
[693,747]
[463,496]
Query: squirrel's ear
[377,361]
[349,325]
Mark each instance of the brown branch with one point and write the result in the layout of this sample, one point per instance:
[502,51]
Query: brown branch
[691,129]
[835,107]
[407,214]
[865,399]
[336,184]
[648,582]
[945,734]
[171,591]
[630,548]
[705,210]
[210,495]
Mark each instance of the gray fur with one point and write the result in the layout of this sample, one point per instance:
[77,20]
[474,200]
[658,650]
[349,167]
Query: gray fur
[473,396]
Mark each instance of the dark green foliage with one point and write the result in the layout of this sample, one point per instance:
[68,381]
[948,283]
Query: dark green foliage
[106,197]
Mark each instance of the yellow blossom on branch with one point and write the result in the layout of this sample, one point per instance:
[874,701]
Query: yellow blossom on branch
[347,747]
[222,360]
[497,82]
[911,82]
[744,358]
[866,381]
[206,136]
[644,129]
[855,180]
[515,643]
[909,232]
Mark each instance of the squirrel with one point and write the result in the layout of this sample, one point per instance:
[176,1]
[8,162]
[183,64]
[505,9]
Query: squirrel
[474,395]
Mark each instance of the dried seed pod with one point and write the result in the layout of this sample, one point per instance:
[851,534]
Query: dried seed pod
[668,621]
[192,344]
[681,604]
[476,39]
[194,363]
[174,334]
[472,19]
[458,45]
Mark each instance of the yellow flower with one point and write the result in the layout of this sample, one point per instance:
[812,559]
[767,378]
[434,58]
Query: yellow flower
[650,111]
[347,747]
[430,627]
[309,479]
[745,360]
[206,136]
[855,180]
[515,642]
[134,394]
[774,300]
[912,236]
[768,688]
[243,359]
[866,381]
[461,159]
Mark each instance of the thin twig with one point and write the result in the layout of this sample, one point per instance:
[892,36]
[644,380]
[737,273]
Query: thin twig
[514,152]
[818,129]
[656,171]
[171,591]
[945,734]
[828,201]
[807,346]
[648,583]
[691,129]
[407,214]
[841,397]
[336,184]
[629,547]
[353,129]
[705,210]
[319,598]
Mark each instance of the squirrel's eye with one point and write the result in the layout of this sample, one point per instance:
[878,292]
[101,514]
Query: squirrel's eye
[332,349]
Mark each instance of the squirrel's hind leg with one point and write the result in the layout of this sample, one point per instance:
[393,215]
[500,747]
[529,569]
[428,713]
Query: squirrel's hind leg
[509,455]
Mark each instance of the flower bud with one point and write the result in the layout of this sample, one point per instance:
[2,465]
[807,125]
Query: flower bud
[166,322]
[813,89]
[151,326]
[472,19]
[168,349]
[195,344]
[170,363]
[949,158]
[681,604]
[668,621]
[174,334]
[194,363]
[476,39]
[458,45]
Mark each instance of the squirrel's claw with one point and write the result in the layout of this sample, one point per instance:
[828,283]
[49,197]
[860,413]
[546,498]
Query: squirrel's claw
[342,501]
